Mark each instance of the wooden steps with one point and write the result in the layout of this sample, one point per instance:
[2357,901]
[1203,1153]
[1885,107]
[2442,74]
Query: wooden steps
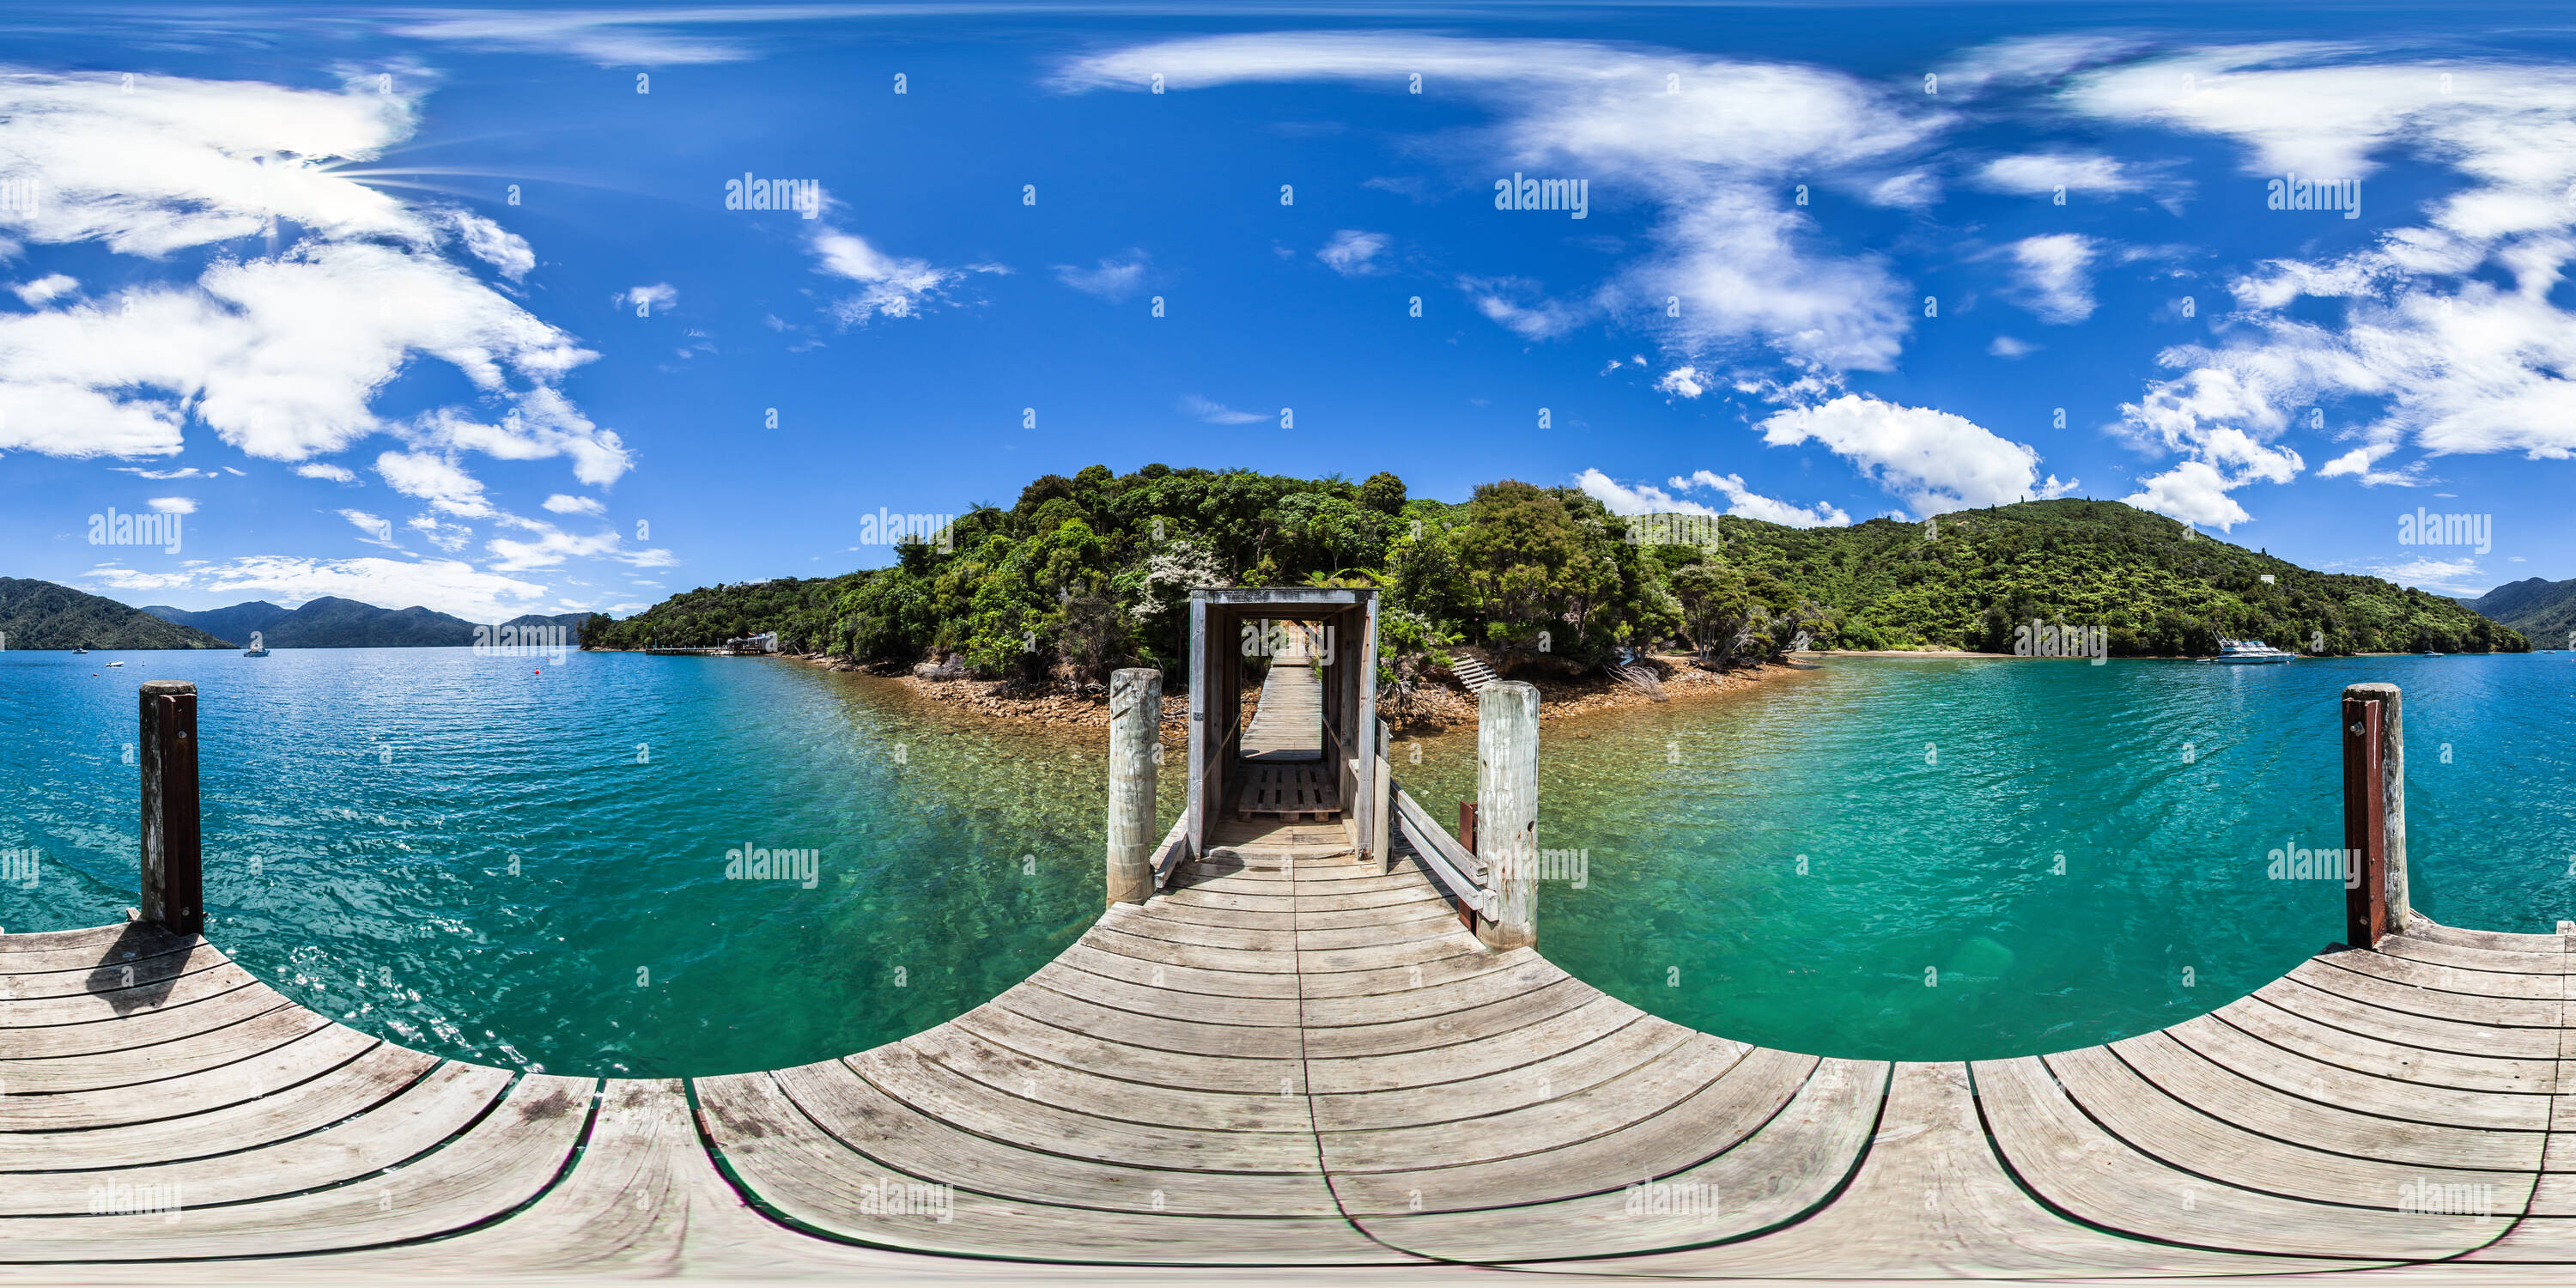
[1473,668]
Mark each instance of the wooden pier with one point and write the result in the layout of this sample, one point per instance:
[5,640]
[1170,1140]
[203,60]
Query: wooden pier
[1291,1055]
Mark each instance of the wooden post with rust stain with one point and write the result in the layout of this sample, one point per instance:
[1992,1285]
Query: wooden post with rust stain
[1135,741]
[174,883]
[1467,825]
[2374,813]
[1507,811]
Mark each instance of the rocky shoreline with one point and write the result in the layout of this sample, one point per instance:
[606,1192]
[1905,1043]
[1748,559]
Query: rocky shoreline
[1439,704]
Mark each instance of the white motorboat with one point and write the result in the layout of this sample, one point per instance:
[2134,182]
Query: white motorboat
[2250,651]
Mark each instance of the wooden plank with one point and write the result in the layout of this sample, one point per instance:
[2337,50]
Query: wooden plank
[2297,996]
[507,1159]
[119,1003]
[2077,1168]
[1492,1022]
[1163,952]
[2187,1137]
[144,1029]
[937,1092]
[1468,962]
[2483,1011]
[2444,953]
[2326,1043]
[2495,940]
[1434,996]
[814,1179]
[1700,1127]
[2285,1066]
[355,1088]
[863,1117]
[1561,1073]
[2450,979]
[1165,1003]
[1075,1049]
[313,1056]
[85,938]
[1186,979]
[1149,1032]
[135,977]
[196,1053]
[1784,1170]
[1104,1094]
[1554,1119]
[136,941]
[2215,1090]
[415,1120]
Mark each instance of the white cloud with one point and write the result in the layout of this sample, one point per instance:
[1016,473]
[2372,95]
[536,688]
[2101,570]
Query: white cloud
[609,38]
[1932,460]
[37,293]
[493,244]
[1114,280]
[1353,253]
[183,472]
[1646,498]
[444,585]
[322,470]
[173,504]
[562,504]
[1683,382]
[892,286]
[2005,346]
[1718,159]
[659,296]
[378,531]
[1217,413]
[2360,463]
[2054,274]
[549,546]
[280,355]
[2460,576]
[450,537]
[2041,174]
[2448,336]
[436,481]
[2194,492]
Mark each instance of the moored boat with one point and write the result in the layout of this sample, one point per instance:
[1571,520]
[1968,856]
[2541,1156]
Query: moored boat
[2247,651]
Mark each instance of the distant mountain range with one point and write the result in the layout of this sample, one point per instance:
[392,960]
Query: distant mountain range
[42,615]
[332,622]
[2542,609]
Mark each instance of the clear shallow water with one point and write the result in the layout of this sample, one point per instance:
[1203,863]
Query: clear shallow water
[1695,818]
[362,809]
[378,888]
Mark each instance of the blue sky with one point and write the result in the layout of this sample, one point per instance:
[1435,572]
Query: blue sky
[445,305]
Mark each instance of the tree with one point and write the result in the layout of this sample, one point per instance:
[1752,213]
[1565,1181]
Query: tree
[1384,493]
[1528,565]
[1714,608]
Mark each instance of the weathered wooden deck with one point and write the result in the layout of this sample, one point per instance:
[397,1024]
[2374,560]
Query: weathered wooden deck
[1287,1059]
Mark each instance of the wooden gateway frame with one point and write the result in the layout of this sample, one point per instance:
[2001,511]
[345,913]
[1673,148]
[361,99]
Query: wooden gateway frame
[1221,636]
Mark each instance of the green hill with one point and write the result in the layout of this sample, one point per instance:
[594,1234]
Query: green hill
[1093,571]
[2544,610]
[1966,578]
[40,614]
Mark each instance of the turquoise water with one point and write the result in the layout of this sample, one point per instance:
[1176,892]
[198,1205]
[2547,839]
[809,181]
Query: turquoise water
[1931,921]
[363,810]
[363,807]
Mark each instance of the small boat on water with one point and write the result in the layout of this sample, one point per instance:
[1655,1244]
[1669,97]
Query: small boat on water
[2249,651]
[80,652]
[116,664]
[2430,653]
[255,651]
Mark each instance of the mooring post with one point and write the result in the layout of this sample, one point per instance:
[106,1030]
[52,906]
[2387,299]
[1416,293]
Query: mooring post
[2374,812]
[1507,811]
[174,883]
[1135,738]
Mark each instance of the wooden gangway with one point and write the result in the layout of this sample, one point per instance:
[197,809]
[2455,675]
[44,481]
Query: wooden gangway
[1288,1058]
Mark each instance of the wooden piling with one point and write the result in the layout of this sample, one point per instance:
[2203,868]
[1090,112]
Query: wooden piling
[2374,812]
[173,865]
[1507,811]
[1135,732]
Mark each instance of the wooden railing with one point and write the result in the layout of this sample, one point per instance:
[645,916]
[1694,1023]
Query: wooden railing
[1451,864]
[1175,847]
